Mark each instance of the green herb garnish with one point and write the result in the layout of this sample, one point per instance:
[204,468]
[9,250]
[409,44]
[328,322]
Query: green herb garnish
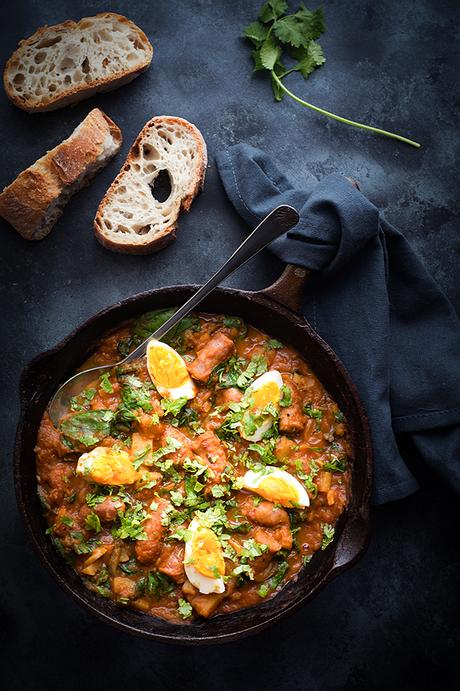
[93,522]
[105,383]
[328,534]
[277,36]
[88,428]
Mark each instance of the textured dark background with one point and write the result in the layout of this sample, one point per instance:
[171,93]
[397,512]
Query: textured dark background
[393,620]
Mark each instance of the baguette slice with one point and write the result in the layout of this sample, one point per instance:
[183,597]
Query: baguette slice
[35,200]
[130,218]
[71,61]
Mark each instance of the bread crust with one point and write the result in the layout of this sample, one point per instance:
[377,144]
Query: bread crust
[81,91]
[47,185]
[168,234]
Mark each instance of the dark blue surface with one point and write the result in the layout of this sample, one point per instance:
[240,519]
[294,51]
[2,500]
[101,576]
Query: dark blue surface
[372,299]
[392,621]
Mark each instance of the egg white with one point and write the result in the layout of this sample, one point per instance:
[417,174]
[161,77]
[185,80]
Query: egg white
[205,584]
[253,479]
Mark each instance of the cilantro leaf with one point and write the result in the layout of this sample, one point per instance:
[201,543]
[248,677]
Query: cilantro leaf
[256,32]
[309,59]
[286,398]
[131,523]
[272,10]
[184,609]
[270,53]
[105,383]
[93,522]
[173,406]
[273,344]
[328,534]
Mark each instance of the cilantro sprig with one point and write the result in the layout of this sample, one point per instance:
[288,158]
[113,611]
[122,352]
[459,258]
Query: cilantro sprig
[277,35]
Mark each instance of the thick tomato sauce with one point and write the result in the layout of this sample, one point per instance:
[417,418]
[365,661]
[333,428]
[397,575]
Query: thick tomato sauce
[125,542]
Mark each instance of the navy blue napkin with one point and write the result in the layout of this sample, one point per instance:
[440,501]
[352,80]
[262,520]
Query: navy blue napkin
[373,301]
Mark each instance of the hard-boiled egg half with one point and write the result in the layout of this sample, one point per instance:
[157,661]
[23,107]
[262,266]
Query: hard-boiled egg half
[107,466]
[204,560]
[264,390]
[168,371]
[277,486]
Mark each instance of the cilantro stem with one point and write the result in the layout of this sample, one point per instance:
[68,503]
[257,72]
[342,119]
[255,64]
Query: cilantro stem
[376,130]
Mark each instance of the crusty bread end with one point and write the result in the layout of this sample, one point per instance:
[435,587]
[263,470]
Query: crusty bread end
[130,218]
[34,201]
[71,61]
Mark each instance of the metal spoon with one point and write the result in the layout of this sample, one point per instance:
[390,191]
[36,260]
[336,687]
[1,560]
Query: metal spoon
[278,222]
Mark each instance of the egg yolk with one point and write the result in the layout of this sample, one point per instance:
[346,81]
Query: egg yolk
[268,393]
[108,466]
[206,553]
[166,367]
[279,491]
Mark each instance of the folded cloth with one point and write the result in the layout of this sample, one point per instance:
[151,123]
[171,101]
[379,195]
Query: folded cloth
[373,301]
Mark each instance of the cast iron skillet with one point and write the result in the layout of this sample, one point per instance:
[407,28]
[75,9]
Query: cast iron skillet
[275,310]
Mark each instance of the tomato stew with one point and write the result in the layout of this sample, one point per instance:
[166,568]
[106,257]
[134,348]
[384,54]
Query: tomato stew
[208,497]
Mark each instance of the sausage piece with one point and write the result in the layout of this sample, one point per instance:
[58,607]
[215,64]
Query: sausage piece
[217,350]
[265,513]
[184,451]
[108,509]
[171,562]
[148,550]
[292,418]
[212,452]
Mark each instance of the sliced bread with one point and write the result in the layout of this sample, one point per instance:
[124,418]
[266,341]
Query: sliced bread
[71,61]
[131,218]
[35,200]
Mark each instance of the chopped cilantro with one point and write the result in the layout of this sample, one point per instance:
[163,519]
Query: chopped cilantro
[273,344]
[93,522]
[140,457]
[105,383]
[257,366]
[177,498]
[131,523]
[328,534]
[312,489]
[136,393]
[87,428]
[184,609]
[236,323]
[286,398]
[335,464]
[274,581]
[154,583]
[311,411]
[173,406]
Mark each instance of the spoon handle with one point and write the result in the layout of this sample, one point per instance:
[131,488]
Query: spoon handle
[278,222]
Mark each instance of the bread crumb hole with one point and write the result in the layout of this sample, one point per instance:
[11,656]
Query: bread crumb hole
[67,64]
[149,152]
[18,78]
[161,186]
[85,66]
[142,230]
[48,42]
[39,57]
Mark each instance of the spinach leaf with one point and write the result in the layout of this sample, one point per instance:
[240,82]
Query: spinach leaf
[88,428]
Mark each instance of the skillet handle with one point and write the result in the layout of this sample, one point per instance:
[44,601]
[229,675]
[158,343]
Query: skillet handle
[288,289]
